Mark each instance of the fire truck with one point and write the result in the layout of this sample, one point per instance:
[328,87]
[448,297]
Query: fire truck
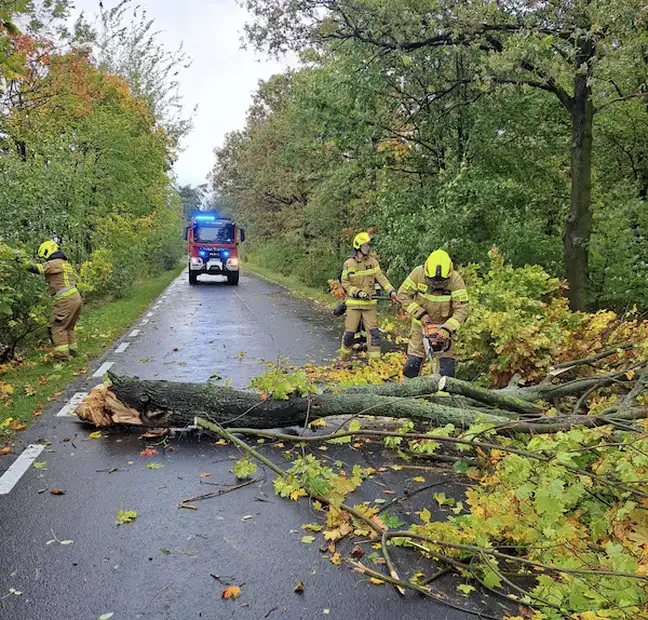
[213,247]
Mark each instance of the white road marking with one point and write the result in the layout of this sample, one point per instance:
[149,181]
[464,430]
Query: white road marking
[102,370]
[9,479]
[149,315]
[144,321]
[69,409]
[134,333]
[122,347]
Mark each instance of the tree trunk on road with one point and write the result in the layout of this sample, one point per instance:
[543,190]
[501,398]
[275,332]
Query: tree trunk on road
[162,403]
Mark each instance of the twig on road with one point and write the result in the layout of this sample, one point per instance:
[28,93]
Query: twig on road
[195,498]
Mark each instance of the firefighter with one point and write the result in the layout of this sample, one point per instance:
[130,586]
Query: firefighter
[61,282]
[435,296]
[359,276]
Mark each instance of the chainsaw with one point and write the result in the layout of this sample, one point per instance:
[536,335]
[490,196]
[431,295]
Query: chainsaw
[436,340]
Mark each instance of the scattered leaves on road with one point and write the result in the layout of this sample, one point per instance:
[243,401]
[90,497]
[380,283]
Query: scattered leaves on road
[40,465]
[230,592]
[95,435]
[300,586]
[154,466]
[57,492]
[5,450]
[308,539]
[465,588]
[205,475]
[106,616]
[148,452]
[126,516]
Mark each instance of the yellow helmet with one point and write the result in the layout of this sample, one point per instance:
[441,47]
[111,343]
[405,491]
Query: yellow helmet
[438,265]
[360,239]
[47,248]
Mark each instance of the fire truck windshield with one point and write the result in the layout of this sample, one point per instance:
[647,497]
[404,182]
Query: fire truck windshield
[214,233]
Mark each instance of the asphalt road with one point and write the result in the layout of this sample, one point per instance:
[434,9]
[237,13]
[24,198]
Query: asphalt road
[162,565]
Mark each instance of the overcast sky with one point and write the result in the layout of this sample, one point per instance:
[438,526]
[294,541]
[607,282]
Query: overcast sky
[221,79]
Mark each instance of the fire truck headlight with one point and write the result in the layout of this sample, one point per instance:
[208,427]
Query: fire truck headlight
[195,261]
[232,262]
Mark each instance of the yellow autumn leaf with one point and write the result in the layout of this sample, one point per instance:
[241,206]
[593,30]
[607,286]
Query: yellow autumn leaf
[336,559]
[95,435]
[7,389]
[418,479]
[231,592]
[376,581]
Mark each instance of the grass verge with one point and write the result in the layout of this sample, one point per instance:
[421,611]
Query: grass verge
[26,387]
[292,284]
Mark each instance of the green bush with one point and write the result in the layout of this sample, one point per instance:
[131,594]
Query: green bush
[519,318]
[23,306]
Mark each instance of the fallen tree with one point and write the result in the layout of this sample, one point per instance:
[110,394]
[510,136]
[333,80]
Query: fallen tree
[437,401]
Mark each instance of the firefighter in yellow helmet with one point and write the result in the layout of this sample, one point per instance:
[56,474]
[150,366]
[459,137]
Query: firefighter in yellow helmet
[434,294]
[359,276]
[61,283]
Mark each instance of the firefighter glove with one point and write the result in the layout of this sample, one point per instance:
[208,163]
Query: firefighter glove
[394,297]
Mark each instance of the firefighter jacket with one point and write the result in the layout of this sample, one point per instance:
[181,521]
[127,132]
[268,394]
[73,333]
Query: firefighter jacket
[59,275]
[361,276]
[447,306]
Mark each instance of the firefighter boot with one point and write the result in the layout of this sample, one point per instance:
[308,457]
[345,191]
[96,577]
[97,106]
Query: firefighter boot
[347,346]
[412,366]
[373,350]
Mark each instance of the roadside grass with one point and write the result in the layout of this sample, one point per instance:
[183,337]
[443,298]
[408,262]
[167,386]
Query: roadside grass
[295,286]
[29,385]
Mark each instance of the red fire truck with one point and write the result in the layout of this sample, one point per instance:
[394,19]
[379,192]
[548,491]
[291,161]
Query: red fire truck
[213,247]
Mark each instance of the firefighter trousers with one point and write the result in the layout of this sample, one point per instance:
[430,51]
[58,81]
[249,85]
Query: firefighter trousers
[442,364]
[369,318]
[62,323]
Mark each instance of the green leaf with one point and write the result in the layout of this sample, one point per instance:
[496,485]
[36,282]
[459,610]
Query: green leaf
[307,539]
[442,500]
[392,521]
[40,465]
[106,616]
[465,588]
[425,515]
[243,468]
[154,466]
[126,516]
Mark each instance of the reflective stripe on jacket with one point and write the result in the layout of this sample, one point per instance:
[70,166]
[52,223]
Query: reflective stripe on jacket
[59,275]
[447,306]
[362,275]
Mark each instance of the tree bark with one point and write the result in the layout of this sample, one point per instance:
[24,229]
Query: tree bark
[163,403]
[578,227]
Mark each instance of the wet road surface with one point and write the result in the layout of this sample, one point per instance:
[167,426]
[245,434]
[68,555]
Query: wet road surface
[171,563]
